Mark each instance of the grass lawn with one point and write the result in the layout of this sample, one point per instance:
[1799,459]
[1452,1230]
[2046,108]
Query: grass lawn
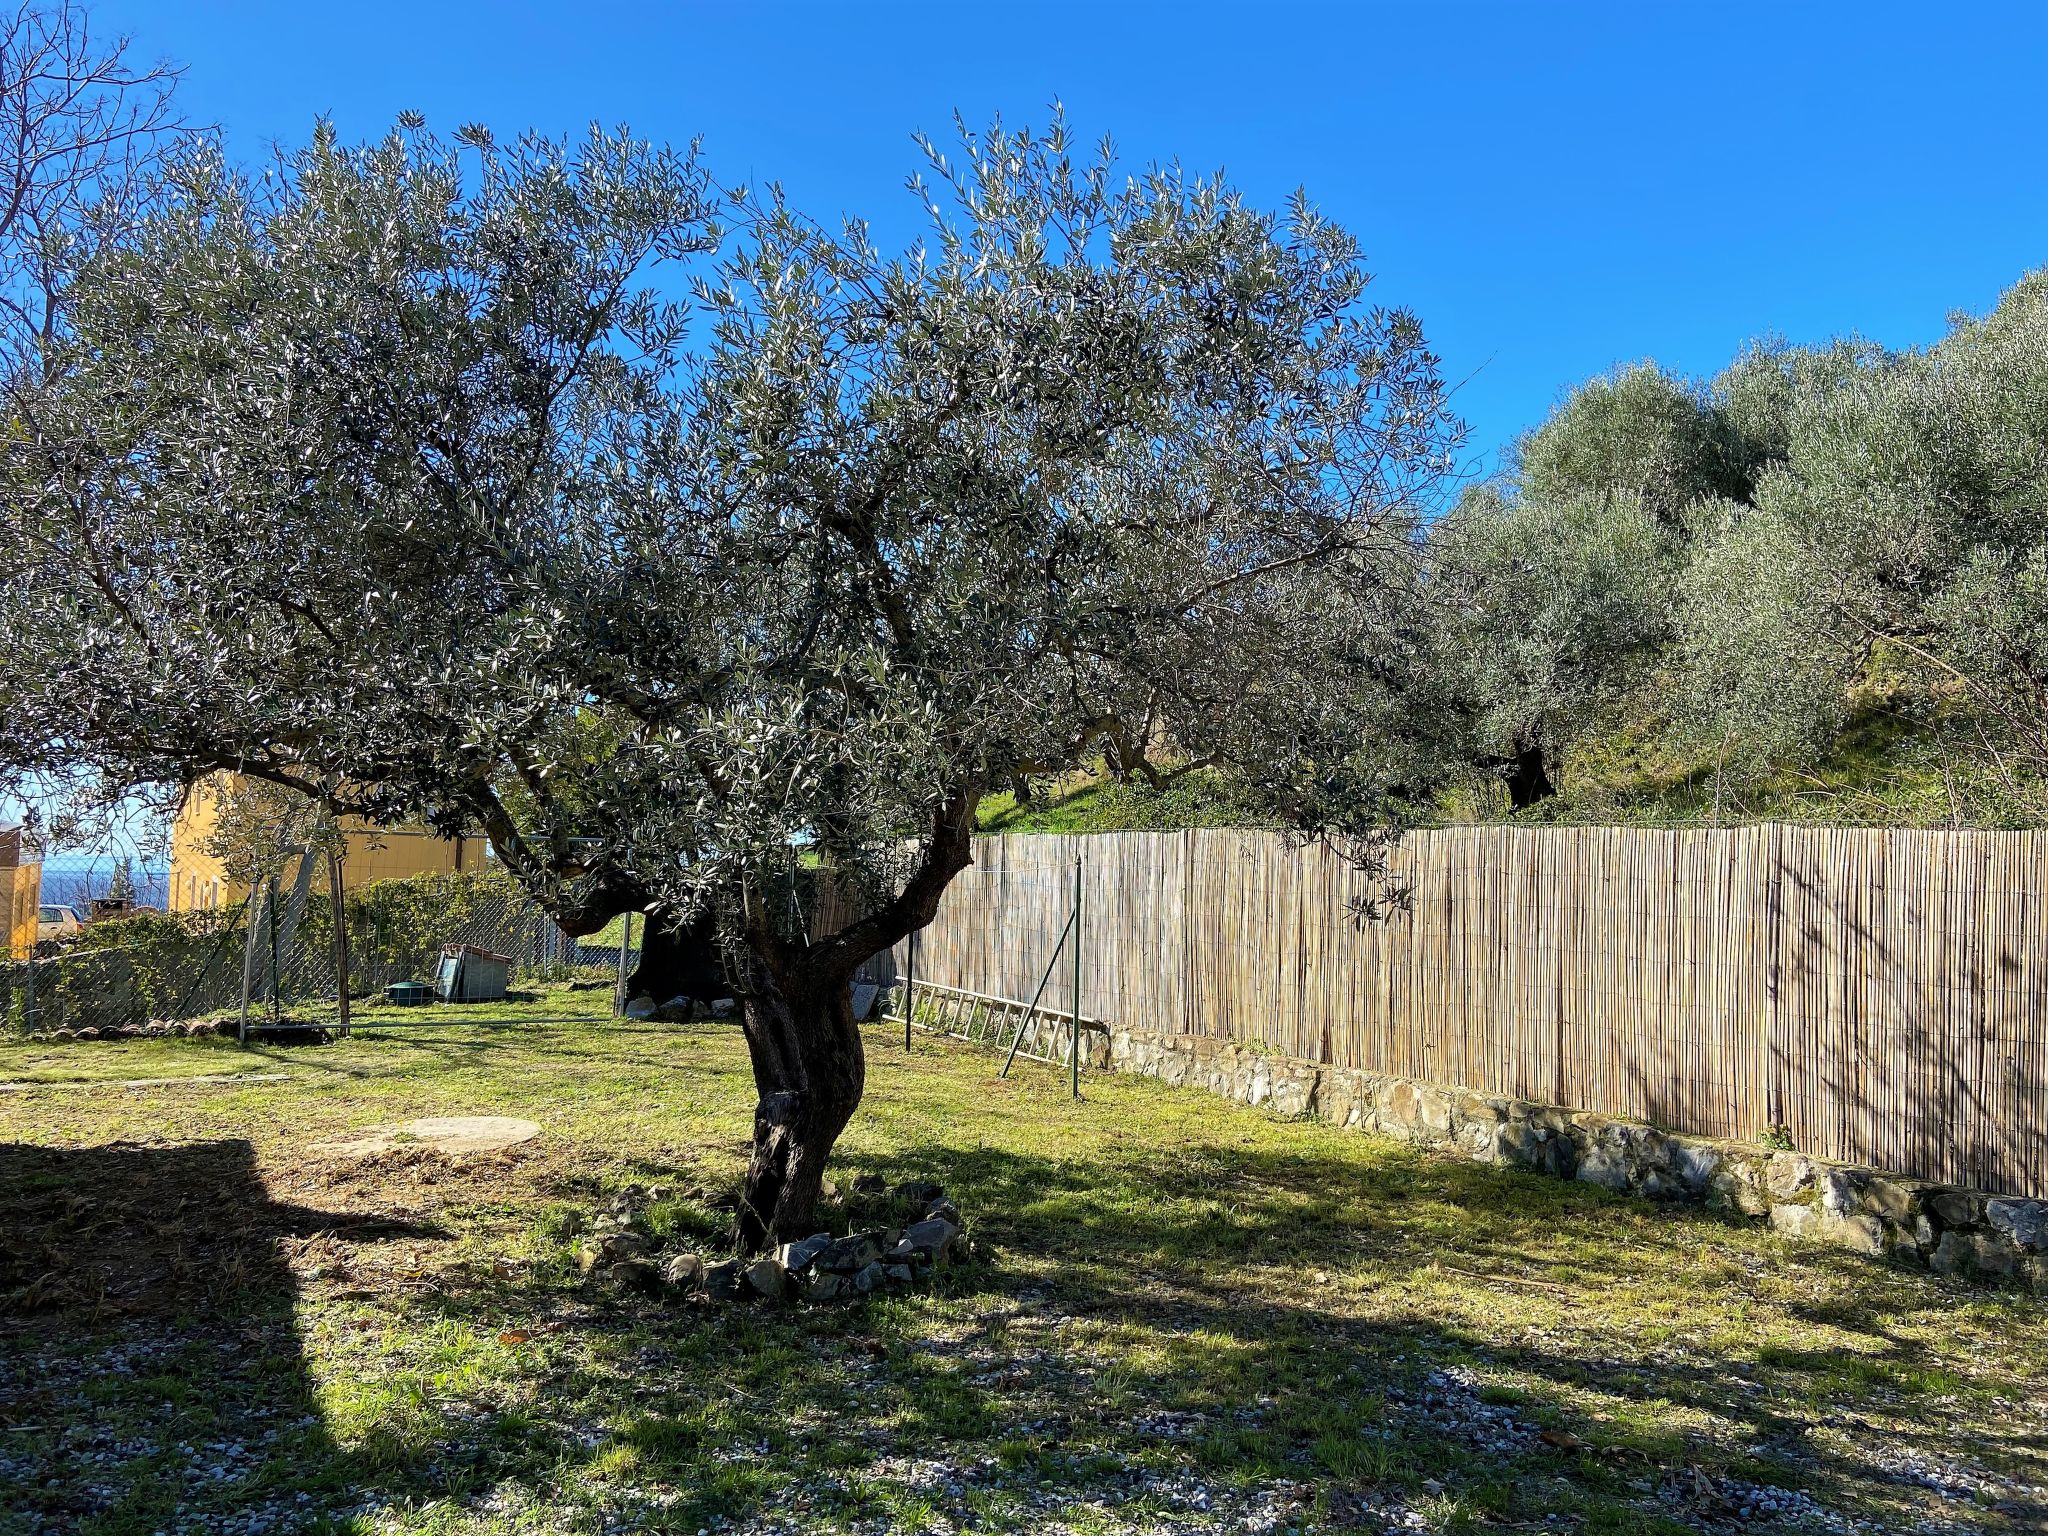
[1181,1315]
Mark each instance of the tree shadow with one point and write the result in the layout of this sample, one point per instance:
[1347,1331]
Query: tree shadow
[155,1373]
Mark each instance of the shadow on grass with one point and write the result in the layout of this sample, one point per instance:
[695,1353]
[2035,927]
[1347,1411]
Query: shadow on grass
[156,1377]
[1127,1317]
[1165,1312]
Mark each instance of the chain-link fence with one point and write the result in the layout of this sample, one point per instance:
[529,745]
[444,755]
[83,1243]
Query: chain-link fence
[152,966]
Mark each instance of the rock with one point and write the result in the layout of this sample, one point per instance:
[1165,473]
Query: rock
[847,1254]
[1861,1233]
[918,1192]
[641,1007]
[870,1278]
[1954,1207]
[1696,1163]
[1480,1140]
[932,1238]
[767,1277]
[1916,1234]
[1841,1190]
[797,1257]
[899,1274]
[2025,1222]
[1791,1175]
[1795,1221]
[1538,1148]
[870,1184]
[823,1285]
[722,1280]
[635,1275]
[1474,1109]
[1893,1199]
[943,1210]
[677,1010]
[1970,1253]
[683,1272]
[1605,1166]
[611,1248]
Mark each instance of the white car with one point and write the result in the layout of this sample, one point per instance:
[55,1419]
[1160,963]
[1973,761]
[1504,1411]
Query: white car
[56,923]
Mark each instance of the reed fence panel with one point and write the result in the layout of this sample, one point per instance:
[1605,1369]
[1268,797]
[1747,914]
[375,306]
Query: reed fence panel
[1877,995]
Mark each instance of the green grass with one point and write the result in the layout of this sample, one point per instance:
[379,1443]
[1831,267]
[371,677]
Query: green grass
[1103,804]
[1181,1315]
[148,1058]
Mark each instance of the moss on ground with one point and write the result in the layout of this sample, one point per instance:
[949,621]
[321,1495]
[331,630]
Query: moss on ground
[1182,1315]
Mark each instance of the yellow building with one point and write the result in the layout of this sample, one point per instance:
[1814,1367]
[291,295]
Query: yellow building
[199,882]
[21,888]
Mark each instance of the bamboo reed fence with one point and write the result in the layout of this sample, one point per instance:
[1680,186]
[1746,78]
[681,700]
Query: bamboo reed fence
[1878,996]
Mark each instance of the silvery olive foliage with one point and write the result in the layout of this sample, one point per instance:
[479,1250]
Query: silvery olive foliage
[683,543]
[1900,529]
[1560,582]
[292,499]
[1565,605]
[1640,433]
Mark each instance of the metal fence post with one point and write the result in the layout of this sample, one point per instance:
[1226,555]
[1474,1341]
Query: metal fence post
[337,901]
[249,952]
[1075,1044]
[625,943]
[909,989]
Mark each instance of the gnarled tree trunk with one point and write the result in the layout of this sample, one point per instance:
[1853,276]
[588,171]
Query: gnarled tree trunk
[1528,778]
[809,1072]
[679,961]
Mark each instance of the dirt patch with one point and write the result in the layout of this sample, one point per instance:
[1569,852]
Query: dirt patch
[436,1133]
[131,1227]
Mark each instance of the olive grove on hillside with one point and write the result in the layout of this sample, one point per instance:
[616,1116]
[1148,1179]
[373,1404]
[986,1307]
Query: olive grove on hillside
[1750,560]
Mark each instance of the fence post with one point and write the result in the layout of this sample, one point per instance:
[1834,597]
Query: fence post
[1075,1044]
[339,914]
[625,943]
[909,990]
[255,918]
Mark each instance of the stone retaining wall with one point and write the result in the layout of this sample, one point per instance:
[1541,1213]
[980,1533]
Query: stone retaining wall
[1948,1229]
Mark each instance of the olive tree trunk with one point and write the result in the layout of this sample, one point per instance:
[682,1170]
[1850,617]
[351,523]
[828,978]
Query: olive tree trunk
[809,1072]
[678,961]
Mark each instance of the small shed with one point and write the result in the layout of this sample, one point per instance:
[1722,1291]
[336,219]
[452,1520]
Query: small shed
[472,975]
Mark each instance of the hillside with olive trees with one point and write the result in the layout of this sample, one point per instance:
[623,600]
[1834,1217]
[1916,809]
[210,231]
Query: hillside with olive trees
[1813,587]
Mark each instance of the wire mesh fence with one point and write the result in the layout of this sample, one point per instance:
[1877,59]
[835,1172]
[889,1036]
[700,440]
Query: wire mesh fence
[130,971]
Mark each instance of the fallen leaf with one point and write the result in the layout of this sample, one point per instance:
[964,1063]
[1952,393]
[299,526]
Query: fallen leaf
[1563,1439]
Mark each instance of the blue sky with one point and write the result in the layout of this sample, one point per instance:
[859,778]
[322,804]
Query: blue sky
[1555,188]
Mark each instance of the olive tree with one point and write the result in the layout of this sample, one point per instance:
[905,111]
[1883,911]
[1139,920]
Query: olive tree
[699,553]
[1899,530]
[1557,580]
[1640,433]
[1561,607]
